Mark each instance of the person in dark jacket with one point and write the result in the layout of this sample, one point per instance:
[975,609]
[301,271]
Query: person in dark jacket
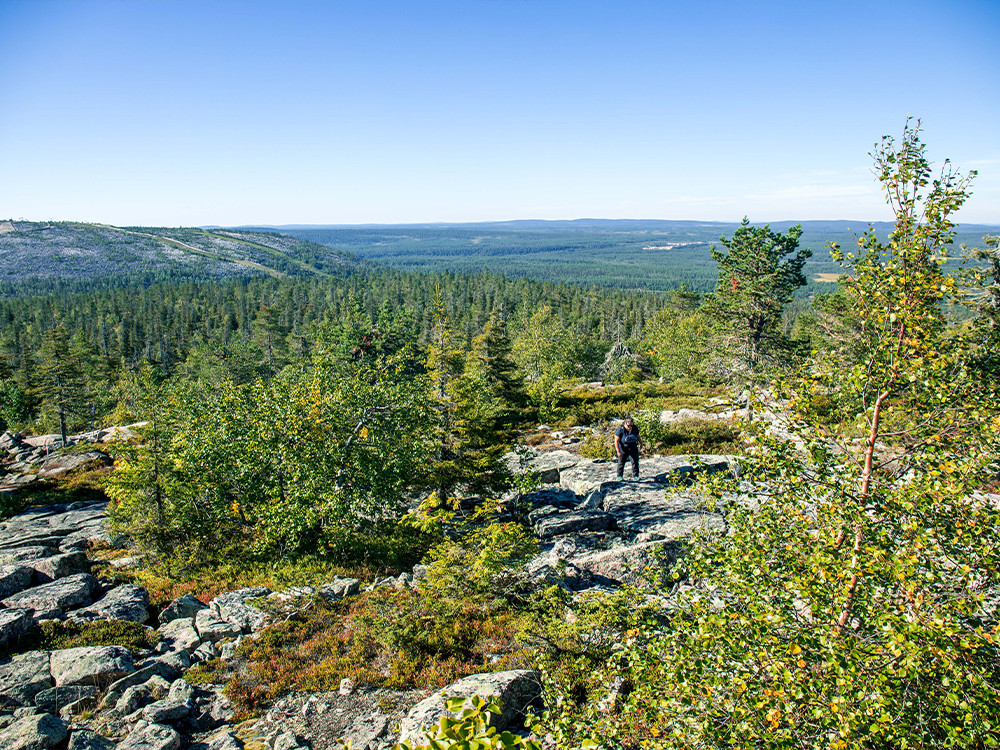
[627,446]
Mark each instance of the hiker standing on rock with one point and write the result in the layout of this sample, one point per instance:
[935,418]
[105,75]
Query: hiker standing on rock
[627,446]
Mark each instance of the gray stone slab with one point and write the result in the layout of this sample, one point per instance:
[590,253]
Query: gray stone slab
[152,737]
[13,579]
[38,732]
[126,602]
[182,607]
[548,465]
[148,669]
[645,508]
[13,623]
[81,738]
[212,628]
[71,591]
[586,477]
[573,521]
[91,665]
[180,634]
[54,699]
[638,565]
[48,569]
[23,677]
[23,554]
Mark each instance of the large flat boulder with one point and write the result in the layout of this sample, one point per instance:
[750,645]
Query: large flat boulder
[675,469]
[53,699]
[126,602]
[90,665]
[645,508]
[638,565]
[72,591]
[181,608]
[23,677]
[56,465]
[22,554]
[548,465]
[514,690]
[81,738]
[587,476]
[36,732]
[212,628]
[48,569]
[180,634]
[573,521]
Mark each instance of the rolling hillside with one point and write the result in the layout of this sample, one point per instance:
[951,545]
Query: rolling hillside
[37,256]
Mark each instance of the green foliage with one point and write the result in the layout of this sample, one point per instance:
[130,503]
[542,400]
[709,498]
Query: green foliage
[598,443]
[756,281]
[484,564]
[688,436]
[15,406]
[471,728]
[548,352]
[314,460]
[51,635]
[845,606]
[677,340]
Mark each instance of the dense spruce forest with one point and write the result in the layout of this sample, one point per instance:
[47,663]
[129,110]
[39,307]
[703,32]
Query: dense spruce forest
[836,580]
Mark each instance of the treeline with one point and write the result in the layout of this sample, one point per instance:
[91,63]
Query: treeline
[245,329]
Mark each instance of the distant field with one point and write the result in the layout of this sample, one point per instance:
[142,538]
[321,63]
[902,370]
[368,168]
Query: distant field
[626,254]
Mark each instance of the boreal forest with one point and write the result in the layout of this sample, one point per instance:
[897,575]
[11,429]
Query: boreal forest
[408,466]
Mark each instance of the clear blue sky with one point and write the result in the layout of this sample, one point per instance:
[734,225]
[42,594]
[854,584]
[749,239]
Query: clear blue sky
[186,112]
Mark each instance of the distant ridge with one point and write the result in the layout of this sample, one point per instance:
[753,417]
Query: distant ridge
[37,254]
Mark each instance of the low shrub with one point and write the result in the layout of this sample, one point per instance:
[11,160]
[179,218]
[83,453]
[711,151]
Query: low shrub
[689,436]
[52,635]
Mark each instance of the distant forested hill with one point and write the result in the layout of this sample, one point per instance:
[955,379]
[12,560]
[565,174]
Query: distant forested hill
[41,256]
[625,254]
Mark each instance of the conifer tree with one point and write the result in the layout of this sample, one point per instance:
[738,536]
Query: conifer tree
[756,280]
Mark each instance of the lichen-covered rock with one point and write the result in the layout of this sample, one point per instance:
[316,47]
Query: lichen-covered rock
[166,711]
[547,465]
[90,665]
[183,607]
[14,578]
[53,568]
[232,607]
[638,565]
[339,587]
[150,668]
[126,602]
[573,521]
[56,465]
[72,591]
[644,507]
[38,732]
[23,677]
[151,737]
[224,740]
[21,554]
[514,690]
[81,738]
[212,628]
[180,634]
[54,699]
[13,622]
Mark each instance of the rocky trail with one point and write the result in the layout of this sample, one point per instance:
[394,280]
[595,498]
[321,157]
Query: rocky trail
[595,532]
